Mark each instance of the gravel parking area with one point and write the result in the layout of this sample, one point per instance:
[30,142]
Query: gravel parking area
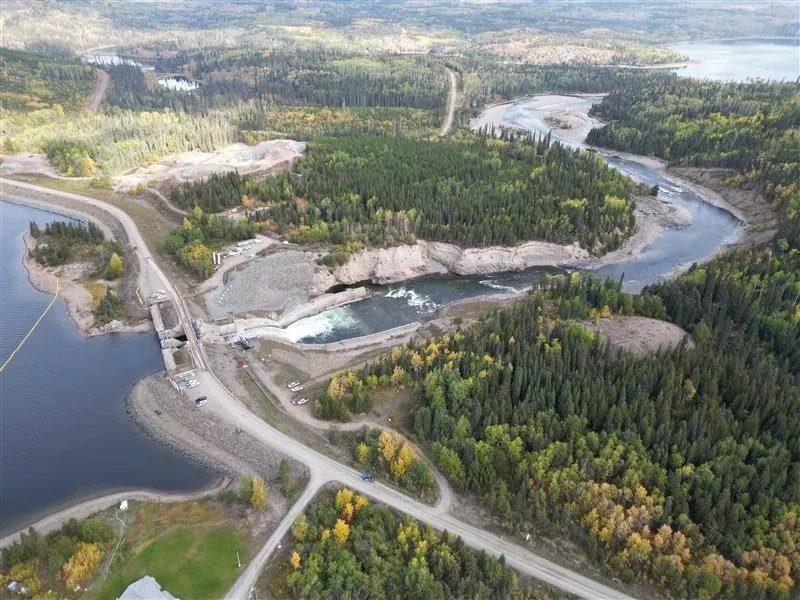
[274,283]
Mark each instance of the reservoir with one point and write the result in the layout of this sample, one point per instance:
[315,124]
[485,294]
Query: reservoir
[64,431]
[741,59]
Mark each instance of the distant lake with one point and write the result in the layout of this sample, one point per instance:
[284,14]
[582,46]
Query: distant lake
[740,60]
[64,431]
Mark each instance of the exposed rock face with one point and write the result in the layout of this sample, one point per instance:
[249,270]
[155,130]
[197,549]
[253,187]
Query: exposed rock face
[399,263]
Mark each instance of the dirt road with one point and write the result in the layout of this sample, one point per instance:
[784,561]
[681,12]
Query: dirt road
[323,468]
[303,414]
[166,202]
[451,104]
[99,90]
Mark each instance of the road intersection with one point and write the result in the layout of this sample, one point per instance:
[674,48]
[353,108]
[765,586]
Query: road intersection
[322,469]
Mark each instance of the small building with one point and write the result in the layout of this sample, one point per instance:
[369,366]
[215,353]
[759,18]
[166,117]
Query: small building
[123,506]
[146,588]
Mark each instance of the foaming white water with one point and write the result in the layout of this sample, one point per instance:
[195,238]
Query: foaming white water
[413,299]
[317,325]
[491,283]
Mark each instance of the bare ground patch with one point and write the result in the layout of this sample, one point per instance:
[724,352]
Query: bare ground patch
[194,166]
[640,335]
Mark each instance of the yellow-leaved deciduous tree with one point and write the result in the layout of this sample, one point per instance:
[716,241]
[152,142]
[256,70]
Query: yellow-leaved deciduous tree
[402,461]
[247,202]
[605,312]
[295,560]
[387,445]
[341,531]
[27,574]
[325,535]
[115,266]
[83,562]
[300,527]
[347,512]
[198,214]
[336,388]
[343,498]
[187,224]
[637,550]
[258,499]
[362,453]
[398,375]
[408,535]
[360,502]
[417,362]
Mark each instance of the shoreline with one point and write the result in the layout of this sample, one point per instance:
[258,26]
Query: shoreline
[83,509]
[76,297]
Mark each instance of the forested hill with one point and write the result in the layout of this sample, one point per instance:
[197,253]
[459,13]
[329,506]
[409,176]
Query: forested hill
[33,82]
[681,469]
[286,77]
[385,191]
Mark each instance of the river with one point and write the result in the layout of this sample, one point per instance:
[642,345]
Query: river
[64,432]
[419,300]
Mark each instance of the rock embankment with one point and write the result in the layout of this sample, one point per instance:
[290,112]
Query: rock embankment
[400,263]
[174,421]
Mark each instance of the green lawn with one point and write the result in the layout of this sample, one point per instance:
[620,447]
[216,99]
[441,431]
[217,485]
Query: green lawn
[190,563]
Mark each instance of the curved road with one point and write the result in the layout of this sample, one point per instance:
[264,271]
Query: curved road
[301,414]
[447,125]
[322,468]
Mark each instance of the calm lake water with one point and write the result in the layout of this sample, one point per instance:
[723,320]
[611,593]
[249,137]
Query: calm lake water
[64,431]
[740,60]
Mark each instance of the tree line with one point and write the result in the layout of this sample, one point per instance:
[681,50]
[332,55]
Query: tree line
[63,559]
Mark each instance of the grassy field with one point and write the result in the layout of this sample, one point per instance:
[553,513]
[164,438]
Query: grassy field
[189,547]
[188,562]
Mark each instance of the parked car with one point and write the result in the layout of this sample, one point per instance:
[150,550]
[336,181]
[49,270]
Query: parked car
[201,401]
[291,384]
[303,401]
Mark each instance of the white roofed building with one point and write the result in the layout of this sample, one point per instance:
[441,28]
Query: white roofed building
[146,588]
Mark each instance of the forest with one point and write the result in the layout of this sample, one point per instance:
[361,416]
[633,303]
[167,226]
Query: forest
[681,469]
[346,547]
[200,235]
[32,82]
[61,560]
[317,76]
[389,191]
[59,241]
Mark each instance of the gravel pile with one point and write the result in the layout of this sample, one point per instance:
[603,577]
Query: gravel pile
[276,283]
